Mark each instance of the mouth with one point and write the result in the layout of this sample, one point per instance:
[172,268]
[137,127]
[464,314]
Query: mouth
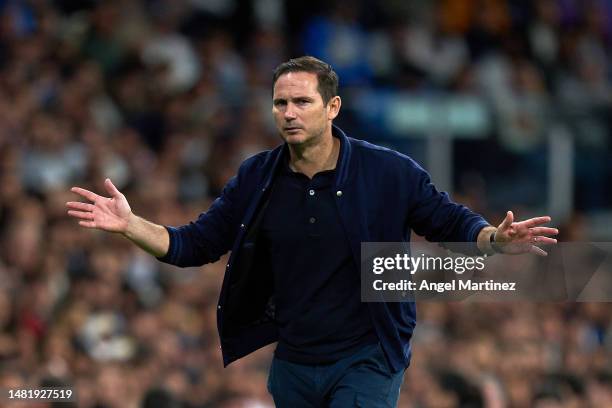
[292,128]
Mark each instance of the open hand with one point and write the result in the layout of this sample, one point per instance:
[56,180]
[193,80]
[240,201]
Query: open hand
[524,236]
[108,214]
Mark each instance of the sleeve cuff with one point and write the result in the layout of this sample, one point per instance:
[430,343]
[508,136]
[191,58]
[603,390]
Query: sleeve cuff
[477,228]
[173,246]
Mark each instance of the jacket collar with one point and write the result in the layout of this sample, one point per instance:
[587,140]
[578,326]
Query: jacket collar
[342,166]
[344,156]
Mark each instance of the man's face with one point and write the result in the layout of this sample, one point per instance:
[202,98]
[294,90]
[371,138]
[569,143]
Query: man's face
[299,112]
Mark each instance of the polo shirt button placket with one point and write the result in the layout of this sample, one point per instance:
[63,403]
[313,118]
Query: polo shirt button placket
[311,220]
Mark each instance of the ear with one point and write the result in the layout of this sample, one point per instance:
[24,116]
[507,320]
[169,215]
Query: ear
[333,107]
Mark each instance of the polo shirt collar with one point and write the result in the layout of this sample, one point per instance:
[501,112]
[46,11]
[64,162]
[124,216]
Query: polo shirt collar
[342,166]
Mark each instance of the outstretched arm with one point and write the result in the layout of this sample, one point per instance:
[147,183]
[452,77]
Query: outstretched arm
[115,215]
[517,237]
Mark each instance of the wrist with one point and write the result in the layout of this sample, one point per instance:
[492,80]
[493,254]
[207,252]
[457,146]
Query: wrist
[484,240]
[493,243]
[130,226]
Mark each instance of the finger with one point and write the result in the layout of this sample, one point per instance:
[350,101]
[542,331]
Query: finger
[534,222]
[84,215]
[538,251]
[85,193]
[77,205]
[507,222]
[87,224]
[110,187]
[544,231]
[544,240]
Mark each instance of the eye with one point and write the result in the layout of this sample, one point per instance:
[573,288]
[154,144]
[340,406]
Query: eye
[280,103]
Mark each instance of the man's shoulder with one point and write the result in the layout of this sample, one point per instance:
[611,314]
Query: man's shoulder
[381,155]
[261,161]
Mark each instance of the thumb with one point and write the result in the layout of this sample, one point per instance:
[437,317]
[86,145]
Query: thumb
[507,222]
[110,187]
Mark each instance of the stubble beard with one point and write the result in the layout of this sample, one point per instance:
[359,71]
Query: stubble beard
[312,138]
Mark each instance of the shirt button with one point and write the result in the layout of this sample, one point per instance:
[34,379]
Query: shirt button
[311,192]
[339,193]
[219,307]
[312,220]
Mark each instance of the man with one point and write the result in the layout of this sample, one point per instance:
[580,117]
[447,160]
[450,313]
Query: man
[294,218]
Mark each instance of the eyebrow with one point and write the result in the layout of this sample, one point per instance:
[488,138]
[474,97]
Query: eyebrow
[295,98]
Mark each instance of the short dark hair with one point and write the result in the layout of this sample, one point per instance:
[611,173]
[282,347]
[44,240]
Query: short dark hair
[327,78]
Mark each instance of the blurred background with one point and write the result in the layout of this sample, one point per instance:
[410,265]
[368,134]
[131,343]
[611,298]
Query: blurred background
[506,103]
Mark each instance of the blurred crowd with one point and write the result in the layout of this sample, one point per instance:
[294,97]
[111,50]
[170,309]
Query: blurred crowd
[168,97]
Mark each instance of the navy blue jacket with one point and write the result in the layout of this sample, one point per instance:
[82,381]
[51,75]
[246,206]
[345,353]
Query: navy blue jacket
[381,195]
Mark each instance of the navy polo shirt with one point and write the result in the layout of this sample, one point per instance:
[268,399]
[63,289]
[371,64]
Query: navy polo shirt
[319,313]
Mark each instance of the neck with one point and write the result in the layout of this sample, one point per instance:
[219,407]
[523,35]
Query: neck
[315,157]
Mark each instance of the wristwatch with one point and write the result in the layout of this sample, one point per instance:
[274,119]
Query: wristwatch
[494,245]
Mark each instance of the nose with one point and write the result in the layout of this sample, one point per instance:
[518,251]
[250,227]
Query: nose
[290,112]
